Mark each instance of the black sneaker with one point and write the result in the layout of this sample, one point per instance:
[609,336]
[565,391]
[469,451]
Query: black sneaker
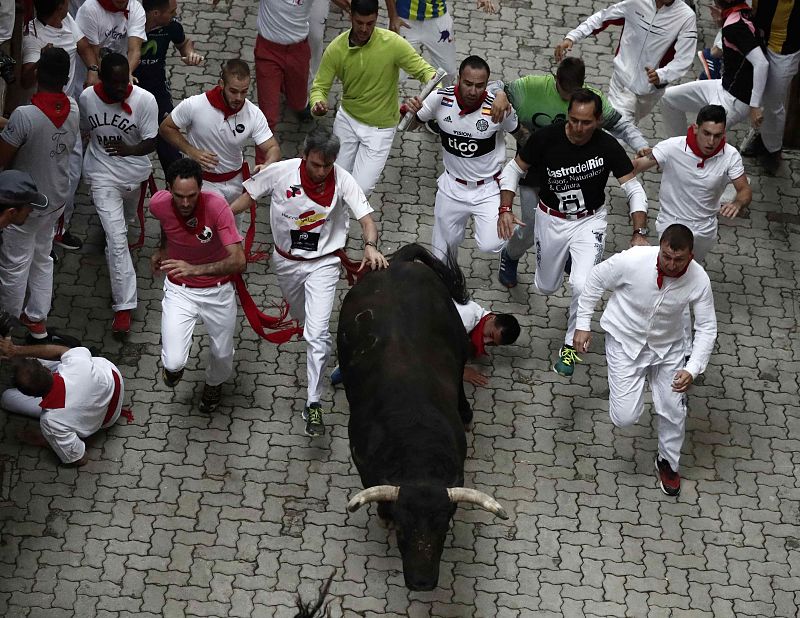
[171,378]
[507,275]
[312,415]
[669,481]
[754,146]
[212,395]
[67,241]
[770,161]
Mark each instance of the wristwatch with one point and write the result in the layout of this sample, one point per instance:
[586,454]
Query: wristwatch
[642,231]
[94,68]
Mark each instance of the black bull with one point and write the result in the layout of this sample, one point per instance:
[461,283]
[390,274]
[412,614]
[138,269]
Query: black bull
[402,349]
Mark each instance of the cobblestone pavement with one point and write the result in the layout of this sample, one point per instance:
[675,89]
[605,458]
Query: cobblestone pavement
[185,514]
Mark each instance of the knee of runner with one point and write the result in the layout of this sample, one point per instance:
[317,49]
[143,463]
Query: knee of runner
[621,420]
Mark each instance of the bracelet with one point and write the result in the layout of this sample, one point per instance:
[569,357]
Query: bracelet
[503,210]
[94,68]
[370,243]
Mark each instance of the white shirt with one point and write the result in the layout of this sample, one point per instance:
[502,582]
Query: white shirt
[299,225]
[66,37]
[690,194]
[284,21]
[639,314]
[7,14]
[471,314]
[647,37]
[88,390]
[473,146]
[205,127]
[106,123]
[111,30]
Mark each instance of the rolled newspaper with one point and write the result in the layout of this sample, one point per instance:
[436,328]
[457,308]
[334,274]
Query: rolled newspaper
[426,90]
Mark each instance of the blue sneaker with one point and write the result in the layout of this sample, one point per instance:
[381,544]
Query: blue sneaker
[507,275]
[336,376]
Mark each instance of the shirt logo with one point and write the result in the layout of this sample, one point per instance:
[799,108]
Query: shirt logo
[448,119]
[206,235]
[240,128]
[447,101]
[482,125]
[444,37]
[293,191]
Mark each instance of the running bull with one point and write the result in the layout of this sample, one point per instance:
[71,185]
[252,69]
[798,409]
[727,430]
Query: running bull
[402,350]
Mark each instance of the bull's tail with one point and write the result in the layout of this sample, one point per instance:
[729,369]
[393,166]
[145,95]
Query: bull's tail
[449,273]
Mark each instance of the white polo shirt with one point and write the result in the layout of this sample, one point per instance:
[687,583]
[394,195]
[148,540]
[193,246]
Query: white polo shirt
[284,21]
[690,194]
[111,30]
[41,35]
[471,314]
[299,225]
[205,127]
[107,123]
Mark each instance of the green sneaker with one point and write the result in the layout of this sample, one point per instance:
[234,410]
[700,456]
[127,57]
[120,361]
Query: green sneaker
[312,415]
[567,357]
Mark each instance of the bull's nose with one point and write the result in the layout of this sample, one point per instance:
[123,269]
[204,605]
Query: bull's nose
[420,585]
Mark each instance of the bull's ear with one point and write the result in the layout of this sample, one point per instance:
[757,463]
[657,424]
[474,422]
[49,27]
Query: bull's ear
[378,493]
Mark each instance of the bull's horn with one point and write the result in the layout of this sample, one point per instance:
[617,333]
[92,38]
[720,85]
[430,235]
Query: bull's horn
[464,494]
[378,493]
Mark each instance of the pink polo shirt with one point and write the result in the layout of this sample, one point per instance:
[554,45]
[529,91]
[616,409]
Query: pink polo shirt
[215,230]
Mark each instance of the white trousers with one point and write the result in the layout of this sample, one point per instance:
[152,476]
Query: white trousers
[523,237]
[310,289]
[436,37]
[455,204]
[116,206]
[26,269]
[626,378]
[556,240]
[230,190]
[75,169]
[782,69]
[632,107]
[364,149]
[691,97]
[316,34]
[182,307]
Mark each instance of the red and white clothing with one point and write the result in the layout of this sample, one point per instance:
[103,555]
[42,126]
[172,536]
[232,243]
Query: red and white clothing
[690,193]
[227,135]
[116,181]
[111,30]
[473,152]
[310,232]
[643,321]
[664,39]
[86,396]
[202,239]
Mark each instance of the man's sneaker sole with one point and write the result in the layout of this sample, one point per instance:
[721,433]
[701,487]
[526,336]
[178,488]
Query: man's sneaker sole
[672,493]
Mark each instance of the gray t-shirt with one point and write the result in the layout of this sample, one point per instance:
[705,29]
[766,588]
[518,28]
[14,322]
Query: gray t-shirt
[44,150]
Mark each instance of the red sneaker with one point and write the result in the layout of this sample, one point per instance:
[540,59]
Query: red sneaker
[122,322]
[669,481]
[37,329]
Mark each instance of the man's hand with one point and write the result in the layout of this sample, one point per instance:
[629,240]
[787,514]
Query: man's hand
[320,108]
[396,22]
[207,160]
[177,268]
[500,107]
[562,49]
[682,381]
[413,104]
[475,378]
[756,116]
[155,262]
[193,60]
[652,76]
[637,240]
[506,222]
[581,340]
[643,152]
[374,258]
[7,348]
[119,149]
[731,210]
[487,6]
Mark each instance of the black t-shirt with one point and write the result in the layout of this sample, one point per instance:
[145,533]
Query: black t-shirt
[738,40]
[151,71]
[573,178]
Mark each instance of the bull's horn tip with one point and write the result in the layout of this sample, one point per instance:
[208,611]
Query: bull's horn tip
[501,513]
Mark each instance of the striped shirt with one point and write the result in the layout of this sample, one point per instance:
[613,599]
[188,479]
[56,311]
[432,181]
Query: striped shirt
[421,10]
[779,22]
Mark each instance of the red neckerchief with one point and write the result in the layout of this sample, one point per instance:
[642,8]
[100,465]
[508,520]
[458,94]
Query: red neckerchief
[661,274]
[464,108]
[198,216]
[218,101]
[729,11]
[476,336]
[54,105]
[100,91]
[56,397]
[324,196]
[108,5]
[691,142]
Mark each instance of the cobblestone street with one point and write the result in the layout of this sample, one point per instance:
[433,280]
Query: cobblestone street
[182,513]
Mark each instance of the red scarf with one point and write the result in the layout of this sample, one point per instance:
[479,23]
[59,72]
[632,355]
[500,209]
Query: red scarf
[734,9]
[108,5]
[661,274]
[691,142]
[56,397]
[198,216]
[324,196]
[476,336]
[54,105]
[100,91]
[218,101]
[465,109]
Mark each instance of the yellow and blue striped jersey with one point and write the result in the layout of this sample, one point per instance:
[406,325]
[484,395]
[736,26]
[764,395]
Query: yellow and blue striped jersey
[421,9]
